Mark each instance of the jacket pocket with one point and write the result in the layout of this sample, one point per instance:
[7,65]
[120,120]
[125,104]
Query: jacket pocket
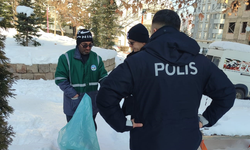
[75,102]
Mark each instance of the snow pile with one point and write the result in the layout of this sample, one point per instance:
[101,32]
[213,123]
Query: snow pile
[25,10]
[49,51]
[230,46]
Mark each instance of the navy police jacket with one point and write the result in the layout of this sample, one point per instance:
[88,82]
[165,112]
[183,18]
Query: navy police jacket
[167,80]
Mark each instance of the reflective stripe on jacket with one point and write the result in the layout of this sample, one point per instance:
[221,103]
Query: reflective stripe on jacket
[83,77]
[75,77]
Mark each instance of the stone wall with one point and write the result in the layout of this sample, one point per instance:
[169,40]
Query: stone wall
[45,71]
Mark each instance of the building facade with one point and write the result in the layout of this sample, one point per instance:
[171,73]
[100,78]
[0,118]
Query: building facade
[237,25]
[210,28]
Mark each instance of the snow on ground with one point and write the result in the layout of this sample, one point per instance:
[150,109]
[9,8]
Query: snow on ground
[38,114]
[38,117]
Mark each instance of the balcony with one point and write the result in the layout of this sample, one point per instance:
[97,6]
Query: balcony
[219,21]
[217,31]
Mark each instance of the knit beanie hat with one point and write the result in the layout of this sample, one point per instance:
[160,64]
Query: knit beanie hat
[83,35]
[138,33]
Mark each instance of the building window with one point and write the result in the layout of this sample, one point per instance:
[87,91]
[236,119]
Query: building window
[231,27]
[221,26]
[219,6]
[205,36]
[207,17]
[206,26]
[200,26]
[216,16]
[215,26]
[199,35]
[244,25]
[248,6]
[198,10]
[208,8]
[223,16]
[203,8]
[214,35]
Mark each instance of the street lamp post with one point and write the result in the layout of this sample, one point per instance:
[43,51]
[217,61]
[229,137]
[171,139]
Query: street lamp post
[143,12]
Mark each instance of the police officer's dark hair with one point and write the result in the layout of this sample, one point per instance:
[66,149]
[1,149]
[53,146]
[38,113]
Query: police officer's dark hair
[167,17]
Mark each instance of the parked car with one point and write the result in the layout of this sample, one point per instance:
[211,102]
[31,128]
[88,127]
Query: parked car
[234,59]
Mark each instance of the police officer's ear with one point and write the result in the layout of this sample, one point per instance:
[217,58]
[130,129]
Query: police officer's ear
[154,27]
[153,30]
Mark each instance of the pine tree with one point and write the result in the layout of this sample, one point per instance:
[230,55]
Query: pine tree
[104,23]
[95,21]
[40,11]
[110,24]
[6,80]
[27,26]
[5,14]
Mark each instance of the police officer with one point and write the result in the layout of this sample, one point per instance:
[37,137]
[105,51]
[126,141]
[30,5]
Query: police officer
[167,80]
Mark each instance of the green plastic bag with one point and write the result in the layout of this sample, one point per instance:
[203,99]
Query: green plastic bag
[79,133]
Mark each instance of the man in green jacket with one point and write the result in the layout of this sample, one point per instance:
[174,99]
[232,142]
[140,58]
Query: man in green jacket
[78,72]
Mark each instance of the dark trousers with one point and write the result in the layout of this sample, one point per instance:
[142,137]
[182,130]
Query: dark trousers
[94,116]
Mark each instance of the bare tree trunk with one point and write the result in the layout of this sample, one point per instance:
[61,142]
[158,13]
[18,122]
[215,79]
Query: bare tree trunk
[61,29]
[55,25]
[74,32]
[27,39]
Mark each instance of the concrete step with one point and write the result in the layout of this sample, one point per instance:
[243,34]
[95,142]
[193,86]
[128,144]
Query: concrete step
[227,142]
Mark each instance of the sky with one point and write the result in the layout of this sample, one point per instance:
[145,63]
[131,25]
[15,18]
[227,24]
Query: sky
[38,114]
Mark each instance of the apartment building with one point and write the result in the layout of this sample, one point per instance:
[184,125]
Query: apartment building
[210,28]
[237,25]
[142,16]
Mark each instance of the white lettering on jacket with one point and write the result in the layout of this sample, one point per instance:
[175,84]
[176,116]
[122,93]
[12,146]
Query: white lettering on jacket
[172,70]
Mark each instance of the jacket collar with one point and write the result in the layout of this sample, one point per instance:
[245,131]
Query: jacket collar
[163,30]
[77,54]
[172,46]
